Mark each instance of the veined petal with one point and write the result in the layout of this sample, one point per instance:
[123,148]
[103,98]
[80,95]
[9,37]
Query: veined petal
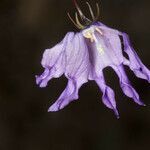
[105,50]
[54,61]
[77,68]
[68,95]
[43,78]
[77,58]
[135,63]
[51,56]
[114,41]
[108,97]
[125,84]
[106,28]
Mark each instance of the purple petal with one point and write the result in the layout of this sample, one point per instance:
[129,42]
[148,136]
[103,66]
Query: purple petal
[54,61]
[108,97]
[135,63]
[68,95]
[110,46]
[125,84]
[77,58]
[76,70]
[106,28]
[44,78]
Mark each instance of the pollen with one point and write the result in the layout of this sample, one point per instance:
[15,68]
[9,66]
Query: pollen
[90,34]
[99,48]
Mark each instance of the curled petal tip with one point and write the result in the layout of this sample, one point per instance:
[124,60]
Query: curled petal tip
[52,109]
[116,113]
[139,102]
[143,104]
[118,117]
[37,80]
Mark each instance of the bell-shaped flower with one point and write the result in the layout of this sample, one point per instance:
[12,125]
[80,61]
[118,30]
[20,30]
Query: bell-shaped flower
[83,56]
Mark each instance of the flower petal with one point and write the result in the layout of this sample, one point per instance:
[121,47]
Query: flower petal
[77,57]
[68,95]
[125,84]
[135,63]
[76,70]
[112,39]
[54,61]
[108,97]
[43,78]
[106,28]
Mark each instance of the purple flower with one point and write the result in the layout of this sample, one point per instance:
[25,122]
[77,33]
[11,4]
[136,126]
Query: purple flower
[83,56]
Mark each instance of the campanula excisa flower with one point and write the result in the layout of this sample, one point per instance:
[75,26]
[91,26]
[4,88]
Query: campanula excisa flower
[82,56]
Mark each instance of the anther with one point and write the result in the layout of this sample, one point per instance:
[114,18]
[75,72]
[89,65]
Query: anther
[98,30]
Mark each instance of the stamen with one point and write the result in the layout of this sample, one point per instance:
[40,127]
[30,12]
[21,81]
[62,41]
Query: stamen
[81,13]
[90,34]
[91,11]
[98,30]
[98,11]
[87,22]
[78,22]
[73,21]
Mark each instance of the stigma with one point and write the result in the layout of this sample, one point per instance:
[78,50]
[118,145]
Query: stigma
[89,33]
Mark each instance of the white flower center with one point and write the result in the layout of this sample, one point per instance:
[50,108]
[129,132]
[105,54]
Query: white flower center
[90,34]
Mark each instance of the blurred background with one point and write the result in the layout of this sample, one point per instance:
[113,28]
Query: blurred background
[27,27]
